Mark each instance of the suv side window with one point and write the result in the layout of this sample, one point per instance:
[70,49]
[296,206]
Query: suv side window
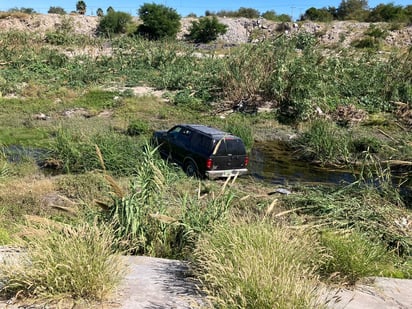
[201,143]
[184,136]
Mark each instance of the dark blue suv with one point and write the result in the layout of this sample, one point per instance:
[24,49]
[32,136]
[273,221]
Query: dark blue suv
[203,151]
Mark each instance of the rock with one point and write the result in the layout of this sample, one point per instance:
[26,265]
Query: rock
[281,191]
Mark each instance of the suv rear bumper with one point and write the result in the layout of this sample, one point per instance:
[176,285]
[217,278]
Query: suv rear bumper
[225,173]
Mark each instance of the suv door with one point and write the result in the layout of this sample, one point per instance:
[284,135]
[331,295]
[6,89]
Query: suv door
[179,143]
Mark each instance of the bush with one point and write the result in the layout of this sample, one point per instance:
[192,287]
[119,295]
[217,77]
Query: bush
[324,142]
[350,257]
[206,30]
[159,21]
[257,265]
[115,23]
[62,262]
[137,127]
[150,221]
[76,152]
[56,10]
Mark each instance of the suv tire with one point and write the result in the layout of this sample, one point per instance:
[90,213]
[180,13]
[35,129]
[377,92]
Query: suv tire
[191,169]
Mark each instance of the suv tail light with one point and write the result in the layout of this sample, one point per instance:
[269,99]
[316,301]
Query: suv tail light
[209,164]
[246,161]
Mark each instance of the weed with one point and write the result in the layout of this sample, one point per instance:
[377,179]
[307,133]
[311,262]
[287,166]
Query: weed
[257,265]
[137,127]
[324,142]
[351,256]
[64,262]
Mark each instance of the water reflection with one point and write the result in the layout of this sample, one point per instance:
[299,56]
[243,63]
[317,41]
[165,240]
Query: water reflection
[274,162]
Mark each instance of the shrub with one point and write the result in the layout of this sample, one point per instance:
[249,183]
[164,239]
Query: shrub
[76,151]
[115,23]
[159,21]
[257,265]
[137,127]
[206,30]
[64,261]
[350,257]
[324,142]
[152,219]
[367,42]
[56,10]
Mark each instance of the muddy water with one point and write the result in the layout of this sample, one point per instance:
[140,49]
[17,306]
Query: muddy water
[274,162]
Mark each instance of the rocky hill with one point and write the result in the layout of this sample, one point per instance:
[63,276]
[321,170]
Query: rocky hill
[240,30]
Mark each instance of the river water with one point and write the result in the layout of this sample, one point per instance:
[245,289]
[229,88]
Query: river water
[274,162]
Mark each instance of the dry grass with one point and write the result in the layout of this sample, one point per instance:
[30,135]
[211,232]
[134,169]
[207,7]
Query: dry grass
[25,195]
[258,265]
[63,262]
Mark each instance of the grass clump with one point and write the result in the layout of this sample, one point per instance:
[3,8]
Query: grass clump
[324,142]
[63,262]
[351,256]
[158,218]
[257,265]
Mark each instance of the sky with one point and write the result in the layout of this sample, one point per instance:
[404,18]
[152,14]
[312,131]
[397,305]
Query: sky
[292,8]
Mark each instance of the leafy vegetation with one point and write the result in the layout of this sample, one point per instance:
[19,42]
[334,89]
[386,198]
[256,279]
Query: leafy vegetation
[116,23]
[159,21]
[206,30]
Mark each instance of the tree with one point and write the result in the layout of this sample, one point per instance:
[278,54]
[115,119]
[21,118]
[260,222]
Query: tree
[248,13]
[159,21]
[353,9]
[270,15]
[56,10]
[386,13]
[99,12]
[322,15]
[81,7]
[110,9]
[284,18]
[23,10]
[205,30]
[115,23]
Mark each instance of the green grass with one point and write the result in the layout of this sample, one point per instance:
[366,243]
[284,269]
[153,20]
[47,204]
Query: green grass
[64,262]
[351,256]
[257,265]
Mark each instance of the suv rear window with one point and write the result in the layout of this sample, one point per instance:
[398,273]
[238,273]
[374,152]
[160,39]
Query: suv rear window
[230,146]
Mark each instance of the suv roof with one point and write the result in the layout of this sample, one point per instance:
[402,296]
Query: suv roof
[208,130]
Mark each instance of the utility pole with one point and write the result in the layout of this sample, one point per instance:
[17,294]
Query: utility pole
[291,16]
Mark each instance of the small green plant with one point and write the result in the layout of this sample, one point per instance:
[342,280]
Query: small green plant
[305,40]
[324,142]
[64,262]
[350,257]
[137,127]
[205,30]
[4,237]
[376,32]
